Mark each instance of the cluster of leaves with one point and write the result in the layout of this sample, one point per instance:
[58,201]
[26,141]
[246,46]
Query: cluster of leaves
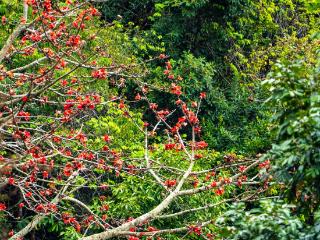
[272,220]
[295,88]
[269,220]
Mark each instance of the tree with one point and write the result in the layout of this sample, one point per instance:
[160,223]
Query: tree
[59,85]
[295,88]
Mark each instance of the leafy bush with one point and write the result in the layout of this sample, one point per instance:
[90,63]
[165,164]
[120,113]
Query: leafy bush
[295,88]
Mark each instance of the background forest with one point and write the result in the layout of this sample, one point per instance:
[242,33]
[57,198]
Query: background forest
[258,65]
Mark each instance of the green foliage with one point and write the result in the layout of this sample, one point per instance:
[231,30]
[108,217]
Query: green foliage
[268,220]
[273,220]
[12,10]
[230,46]
[295,90]
[114,123]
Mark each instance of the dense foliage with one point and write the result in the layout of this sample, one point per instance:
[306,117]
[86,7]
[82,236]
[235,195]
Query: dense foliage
[225,47]
[295,89]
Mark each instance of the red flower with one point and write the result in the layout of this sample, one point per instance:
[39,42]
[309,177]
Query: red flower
[4,20]
[67,171]
[106,138]
[105,207]
[26,134]
[181,119]
[201,145]
[168,65]
[39,208]
[64,82]
[195,229]
[219,191]
[121,104]
[2,207]
[11,181]
[11,233]
[175,89]
[179,101]
[166,72]
[203,95]
[137,97]
[99,74]
[170,183]
[213,184]
[193,118]
[194,104]
[153,106]
[24,98]
[21,205]
[75,24]
[265,164]
[45,174]
[93,11]
[73,41]
[242,168]
[227,180]
[171,76]
[195,183]
[77,227]
[162,56]
[169,146]
[25,115]
[57,139]
[35,37]
[152,229]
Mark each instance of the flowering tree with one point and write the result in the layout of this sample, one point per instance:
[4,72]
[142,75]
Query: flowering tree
[59,152]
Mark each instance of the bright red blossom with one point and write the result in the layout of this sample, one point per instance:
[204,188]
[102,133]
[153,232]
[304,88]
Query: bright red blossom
[2,207]
[11,181]
[170,183]
[201,145]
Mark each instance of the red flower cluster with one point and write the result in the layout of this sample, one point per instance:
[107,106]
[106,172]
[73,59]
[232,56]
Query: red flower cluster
[11,181]
[203,95]
[25,115]
[162,114]
[195,229]
[68,170]
[213,184]
[106,138]
[169,146]
[69,220]
[170,183]
[175,89]
[99,74]
[219,191]
[74,41]
[201,145]
[23,135]
[265,164]
[242,168]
